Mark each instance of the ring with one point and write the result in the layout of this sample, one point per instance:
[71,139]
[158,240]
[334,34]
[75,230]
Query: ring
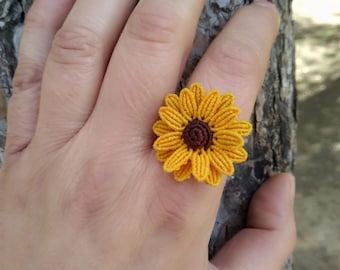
[199,135]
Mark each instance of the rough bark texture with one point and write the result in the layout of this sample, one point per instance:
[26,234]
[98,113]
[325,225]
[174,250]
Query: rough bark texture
[272,146]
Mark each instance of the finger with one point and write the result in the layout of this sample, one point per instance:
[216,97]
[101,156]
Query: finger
[147,62]
[271,233]
[43,20]
[76,66]
[237,60]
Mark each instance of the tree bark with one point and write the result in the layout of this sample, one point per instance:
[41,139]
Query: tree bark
[271,147]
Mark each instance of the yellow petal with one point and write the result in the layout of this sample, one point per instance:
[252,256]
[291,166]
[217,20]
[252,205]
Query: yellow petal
[162,156]
[198,92]
[172,118]
[208,106]
[227,100]
[172,100]
[188,104]
[169,141]
[200,165]
[177,159]
[214,177]
[160,128]
[224,117]
[219,159]
[226,139]
[243,128]
[183,173]
[237,155]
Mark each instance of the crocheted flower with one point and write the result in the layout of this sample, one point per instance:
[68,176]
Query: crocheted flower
[199,135]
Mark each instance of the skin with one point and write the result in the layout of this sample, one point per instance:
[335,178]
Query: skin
[80,187]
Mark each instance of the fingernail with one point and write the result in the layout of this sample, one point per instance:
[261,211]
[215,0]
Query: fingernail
[291,188]
[268,5]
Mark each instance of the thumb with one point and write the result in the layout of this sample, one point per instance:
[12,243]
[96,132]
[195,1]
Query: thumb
[270,234]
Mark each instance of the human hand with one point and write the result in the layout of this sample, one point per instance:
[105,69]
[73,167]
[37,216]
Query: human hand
[80,187]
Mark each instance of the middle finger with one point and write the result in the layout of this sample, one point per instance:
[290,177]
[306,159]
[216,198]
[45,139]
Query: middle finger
[146,63]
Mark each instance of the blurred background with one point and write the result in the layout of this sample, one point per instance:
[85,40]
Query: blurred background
[318,161]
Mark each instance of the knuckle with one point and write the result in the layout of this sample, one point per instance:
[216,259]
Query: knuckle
[91,194]
[78,45]
[237,59]
[27,76]
[154,29]
[36,17]
[90,199]
[34,21]
[172,212]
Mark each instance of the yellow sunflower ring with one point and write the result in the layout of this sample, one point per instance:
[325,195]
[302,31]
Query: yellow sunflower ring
[199,135]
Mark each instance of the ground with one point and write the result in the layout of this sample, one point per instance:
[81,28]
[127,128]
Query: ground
[318,161]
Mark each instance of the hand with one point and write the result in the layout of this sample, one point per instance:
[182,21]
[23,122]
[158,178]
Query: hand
[80,187]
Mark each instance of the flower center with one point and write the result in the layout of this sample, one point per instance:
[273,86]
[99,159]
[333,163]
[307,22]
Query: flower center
[197,134]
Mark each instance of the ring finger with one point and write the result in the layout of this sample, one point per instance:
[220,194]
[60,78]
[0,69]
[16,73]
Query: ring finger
[237,61]
[76,66]
[148,61]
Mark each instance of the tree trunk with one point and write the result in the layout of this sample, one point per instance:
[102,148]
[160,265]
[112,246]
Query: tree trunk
[271,147]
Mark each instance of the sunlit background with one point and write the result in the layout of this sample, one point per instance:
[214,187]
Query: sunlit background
[318,161]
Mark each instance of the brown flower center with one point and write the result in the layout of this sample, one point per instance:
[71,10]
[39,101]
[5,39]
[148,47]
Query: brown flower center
[197,134]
